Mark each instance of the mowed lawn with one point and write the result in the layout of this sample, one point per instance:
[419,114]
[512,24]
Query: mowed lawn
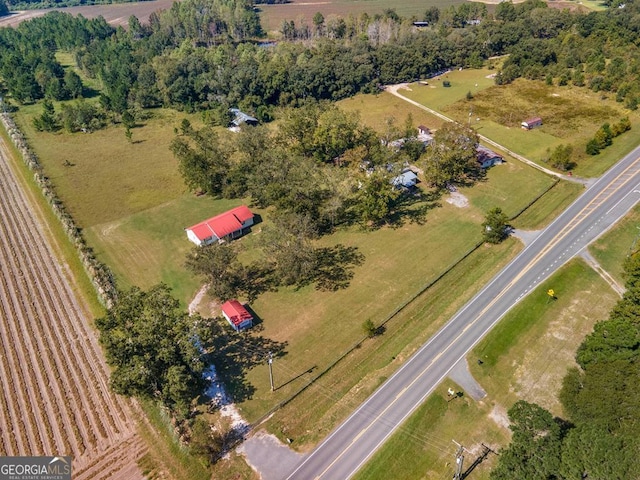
[133,207]
[272,16]
[571,115]
[380,110]
[524,357]
[319,326]
[151,246]
[110,178]
[622,240]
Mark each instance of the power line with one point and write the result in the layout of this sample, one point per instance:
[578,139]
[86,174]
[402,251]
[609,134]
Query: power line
[427,440]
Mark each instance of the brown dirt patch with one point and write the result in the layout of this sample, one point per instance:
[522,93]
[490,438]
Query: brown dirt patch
[538,375]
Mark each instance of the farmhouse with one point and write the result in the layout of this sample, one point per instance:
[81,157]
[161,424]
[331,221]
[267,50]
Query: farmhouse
[241,118]
[487,157]
[407,179]
[226,226]
[237,316]
[531,123]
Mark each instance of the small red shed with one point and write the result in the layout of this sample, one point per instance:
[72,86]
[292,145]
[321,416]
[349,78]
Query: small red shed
[237,316]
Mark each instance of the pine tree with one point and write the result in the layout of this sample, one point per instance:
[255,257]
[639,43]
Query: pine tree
[47,121]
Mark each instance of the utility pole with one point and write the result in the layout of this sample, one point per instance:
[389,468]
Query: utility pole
[459,460]
[270,361]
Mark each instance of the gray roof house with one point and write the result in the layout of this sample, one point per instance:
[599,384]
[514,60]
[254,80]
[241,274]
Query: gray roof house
[239,117]
[487,157]
[407,179]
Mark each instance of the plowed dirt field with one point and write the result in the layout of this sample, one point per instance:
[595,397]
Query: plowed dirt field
[54,396]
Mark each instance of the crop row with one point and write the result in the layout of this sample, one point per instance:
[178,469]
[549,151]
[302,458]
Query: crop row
[53,378]
[26,349]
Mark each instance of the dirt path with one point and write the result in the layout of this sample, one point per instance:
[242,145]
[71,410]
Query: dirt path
[394,90]
[54,396]
[619,289]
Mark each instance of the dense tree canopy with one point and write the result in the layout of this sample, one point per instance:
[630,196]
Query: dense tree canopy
[451,158]
[150,344]
[320,165]
[494,227]
[4,9]
[534,453]
[196,55]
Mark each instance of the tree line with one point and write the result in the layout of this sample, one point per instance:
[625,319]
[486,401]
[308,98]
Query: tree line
[38,4]
[600,437]
[598,50]
[202,53]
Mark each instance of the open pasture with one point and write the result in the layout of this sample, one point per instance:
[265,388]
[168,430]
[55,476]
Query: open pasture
[378,110]
[571,115]
[150,246]
[106,177]
[144,243]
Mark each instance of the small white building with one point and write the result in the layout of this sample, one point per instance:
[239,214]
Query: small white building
[487,157]
[226,226]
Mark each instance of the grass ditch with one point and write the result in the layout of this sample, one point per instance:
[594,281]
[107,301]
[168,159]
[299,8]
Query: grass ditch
[525,356]
[165,449]
[617,243]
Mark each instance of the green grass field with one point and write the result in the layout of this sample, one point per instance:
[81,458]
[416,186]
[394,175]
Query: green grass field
[596,5]
[110,178]
[438,97]
[571,115]
[137,228]
[617,243]
[376,110]
[342,389]
[549,206]
[532,347]
[150,246]
[525,356]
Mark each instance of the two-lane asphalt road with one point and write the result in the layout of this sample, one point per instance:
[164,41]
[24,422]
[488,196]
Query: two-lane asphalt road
[350,445]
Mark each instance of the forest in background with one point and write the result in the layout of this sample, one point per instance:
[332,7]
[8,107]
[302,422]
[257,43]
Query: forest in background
[201,55]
